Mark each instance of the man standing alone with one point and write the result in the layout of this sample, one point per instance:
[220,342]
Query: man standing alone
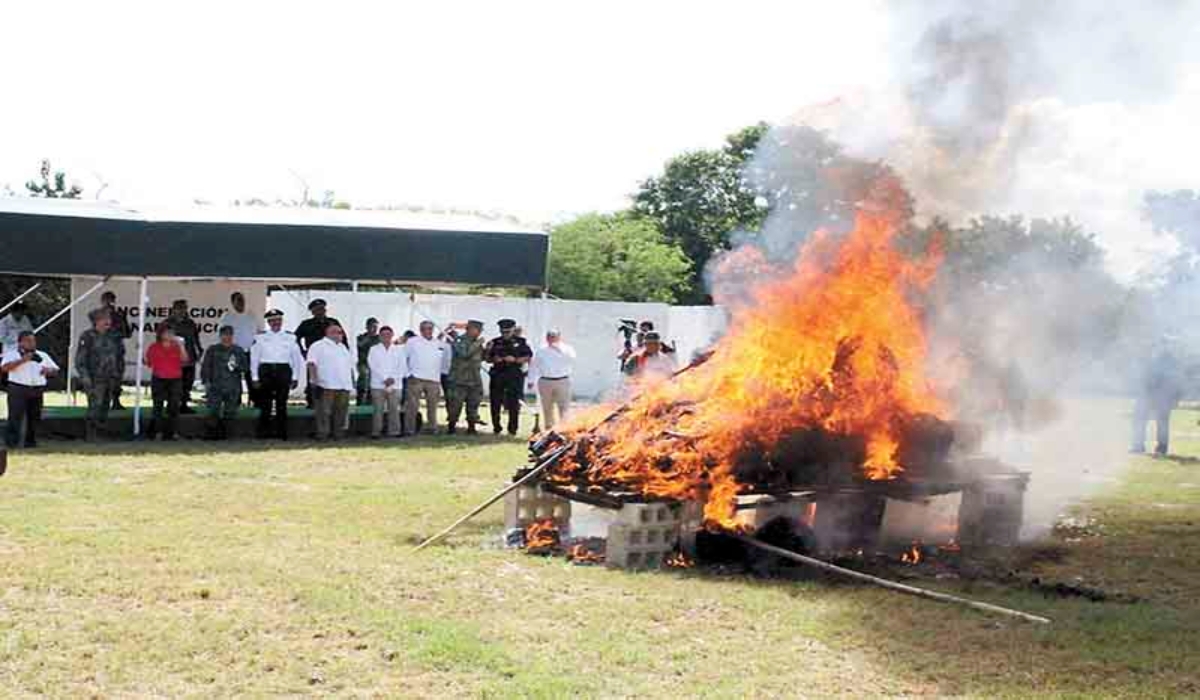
[507,356]
[27,371]
[552,367]
[426,357]
[99,366]
[184,328]
[466,386]
[331,367]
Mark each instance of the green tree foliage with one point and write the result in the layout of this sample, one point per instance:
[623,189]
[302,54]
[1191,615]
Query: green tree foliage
[52,185]
[701,198]
[616,257]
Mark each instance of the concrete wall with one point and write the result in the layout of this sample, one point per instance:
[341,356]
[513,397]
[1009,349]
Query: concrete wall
[590,326]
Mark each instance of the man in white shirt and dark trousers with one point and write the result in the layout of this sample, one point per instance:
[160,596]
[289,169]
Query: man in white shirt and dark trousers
[428,358]
[332,367]
[27,371]
[551,368]
[275,369]
[245,327]
[388,363]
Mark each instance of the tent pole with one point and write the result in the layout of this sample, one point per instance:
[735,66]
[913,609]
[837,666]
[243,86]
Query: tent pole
[143,296]
[19,297]
[70,306]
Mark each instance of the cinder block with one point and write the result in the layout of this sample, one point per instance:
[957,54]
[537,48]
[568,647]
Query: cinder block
[643,535]
[993,510]
[529,504]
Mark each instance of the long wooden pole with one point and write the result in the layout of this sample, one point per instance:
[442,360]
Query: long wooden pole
[885,583]
[534,473]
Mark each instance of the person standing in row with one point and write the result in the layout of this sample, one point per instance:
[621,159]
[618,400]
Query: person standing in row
[165,358]
[551,370]
[13,325]
[310,332]
[331,366]
[27,370]
[466,386]
[186,330]
[99,366]
[365,341]
[221,372]
[275,367]
[426,357]
[245,326]
[388,363]
[507,356]
[121,328]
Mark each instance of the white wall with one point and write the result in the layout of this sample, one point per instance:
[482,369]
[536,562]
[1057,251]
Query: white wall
[590,326]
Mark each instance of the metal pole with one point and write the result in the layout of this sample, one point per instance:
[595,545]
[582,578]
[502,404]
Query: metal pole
[19,297]
[70,306]
[143,298]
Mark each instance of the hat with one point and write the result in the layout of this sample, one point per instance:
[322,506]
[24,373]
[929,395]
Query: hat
[652,336]
[273,313]
[554,332]
[225,329]
[372,320]
[315,303]
[506,324]
[475,324]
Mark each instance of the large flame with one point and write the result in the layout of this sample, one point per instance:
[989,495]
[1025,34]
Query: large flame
[834,343]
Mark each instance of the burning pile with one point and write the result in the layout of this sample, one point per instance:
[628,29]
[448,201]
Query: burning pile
[821,376]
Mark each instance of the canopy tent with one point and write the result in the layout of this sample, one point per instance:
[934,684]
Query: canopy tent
[49,238]
[66,238]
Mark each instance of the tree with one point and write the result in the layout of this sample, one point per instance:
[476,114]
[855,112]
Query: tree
[53,186]
[616,257]
[701,198]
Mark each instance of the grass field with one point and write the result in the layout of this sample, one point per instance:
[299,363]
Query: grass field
[260,569]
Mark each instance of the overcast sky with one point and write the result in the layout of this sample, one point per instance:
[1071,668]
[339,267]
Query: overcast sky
[537,109]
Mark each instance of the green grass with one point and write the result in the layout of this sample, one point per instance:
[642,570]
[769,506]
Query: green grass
[263,570]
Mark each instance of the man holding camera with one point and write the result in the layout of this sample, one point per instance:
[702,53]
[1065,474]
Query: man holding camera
[27,371]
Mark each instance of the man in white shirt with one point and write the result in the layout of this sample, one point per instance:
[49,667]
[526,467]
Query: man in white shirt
[276,366]
[27,371]
[245,327]
[13,325]
[427,358]
[551,370]
[388,362]
[332,366]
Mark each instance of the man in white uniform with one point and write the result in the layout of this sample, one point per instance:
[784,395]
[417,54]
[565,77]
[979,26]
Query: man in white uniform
[275,369]
[551,370]
[388,362]
[332,366]
[27,370]
[427,357]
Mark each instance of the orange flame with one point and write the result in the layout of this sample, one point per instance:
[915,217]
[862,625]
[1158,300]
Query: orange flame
[541,534]
[833,344]
[913,555]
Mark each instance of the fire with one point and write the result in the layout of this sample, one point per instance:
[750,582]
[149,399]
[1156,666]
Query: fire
[832,344]
[678,560]
[541,534]
[580,554]
[913,555]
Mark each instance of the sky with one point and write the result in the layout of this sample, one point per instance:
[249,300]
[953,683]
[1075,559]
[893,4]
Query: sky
[539,110]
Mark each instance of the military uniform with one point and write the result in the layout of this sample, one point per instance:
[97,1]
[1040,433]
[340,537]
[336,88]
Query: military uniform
[365,341]
[188,332]
[466,386]
[507,379]
[221,372]
[120,328]
[99,366]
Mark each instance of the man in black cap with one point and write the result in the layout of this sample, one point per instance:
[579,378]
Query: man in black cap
[275,367]
[120,329]
[312,330]
[365,342]
[181,323]
[507,356]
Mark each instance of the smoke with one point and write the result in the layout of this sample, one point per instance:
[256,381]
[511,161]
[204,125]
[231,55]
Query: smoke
[1042,109]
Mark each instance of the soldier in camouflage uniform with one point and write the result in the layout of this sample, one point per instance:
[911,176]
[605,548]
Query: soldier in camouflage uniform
[466,386]
[366,341]
[221,372]
[184,328]
[99,366]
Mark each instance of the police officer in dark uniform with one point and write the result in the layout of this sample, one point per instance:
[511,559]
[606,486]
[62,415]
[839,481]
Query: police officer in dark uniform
[507,356]
[310,331]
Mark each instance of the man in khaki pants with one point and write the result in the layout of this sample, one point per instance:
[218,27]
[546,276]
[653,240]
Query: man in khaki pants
[388,363]
[552,367]
[332,367]
[427,356]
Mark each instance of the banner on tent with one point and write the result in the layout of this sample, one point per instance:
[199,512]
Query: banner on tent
[208,301]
